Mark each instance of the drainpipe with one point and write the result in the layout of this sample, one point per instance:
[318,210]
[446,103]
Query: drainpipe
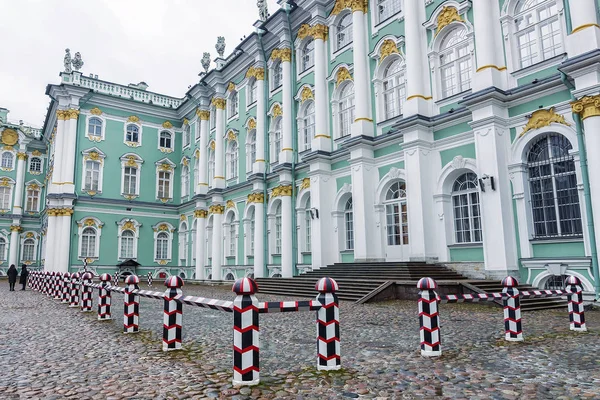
[266,152]
[586,187]
[288,9]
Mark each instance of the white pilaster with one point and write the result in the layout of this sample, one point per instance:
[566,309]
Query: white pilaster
[259,240]
[322,192]
[585,36]
[49,260]
[491,68]
[322,139]
[68,153]
[418,88]
[64,230]
[200,242]
[59,138]
[363,123]
[287,152]
[202,188]
[287,270]
[13,253]
[217,240]
[261,114]
[20,185]
[219,178]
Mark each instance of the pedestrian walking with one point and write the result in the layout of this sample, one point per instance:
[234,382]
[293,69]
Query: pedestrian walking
[24,275]
[12,277]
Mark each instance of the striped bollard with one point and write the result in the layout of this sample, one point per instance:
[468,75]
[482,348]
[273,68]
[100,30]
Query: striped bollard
[58,284]
[149,279]
[33,276]
[246,361]
[104,298]
[30,280]
[429,318]
[66,287]
[328,326]
[576,314]
[116,279]
[74,290]
[86,292]
[131,302]
[36,281]
[173,311]
[512,310]
[50,284]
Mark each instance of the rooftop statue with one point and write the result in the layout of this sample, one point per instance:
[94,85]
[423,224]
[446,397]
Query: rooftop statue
[205,61]
[220,46]
[77,62]
[263,11]
[67,61]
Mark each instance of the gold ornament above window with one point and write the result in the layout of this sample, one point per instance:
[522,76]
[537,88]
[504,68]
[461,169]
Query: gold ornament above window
[200,213]
[306,94]
[343,75]
[36,153]
[542,118]
[212,145]
[134,119]
[96,111]
[447,16]
[182,217]
[230,204]
[186,121]
[305,184]
[251,124]
[167,125]
[277,112]
[388,47]
[128,226]
[231,136]
[165,167]
[4,182]
[231,87]
[282,191]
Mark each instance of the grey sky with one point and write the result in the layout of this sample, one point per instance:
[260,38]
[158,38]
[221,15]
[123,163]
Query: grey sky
[159,42]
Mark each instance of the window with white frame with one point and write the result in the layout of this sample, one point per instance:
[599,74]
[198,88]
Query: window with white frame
[35,164]
[394,89]
[211,167]
[132,133]
[396,214]
[232,160]
[183,244]
[307,125]
[166,140]
[308,55]
[252,91]
[187,138]
[553,188]
[33,200]
[213,118]
[92,176]
[467,216]
[346,109]
[5,197]
[28,250]
[7,160]
[232,105]
[88,243]
[455,62]
[95,127]
[277,140]
[231,234]
[2,249]
[344,31]
[307,227]
[277,75]
[164,184]
[185,181]
[196,179]
[349,224]
[387,8]
[162,246]
[130,180]
[251,149]
[252,229]
[127,245]
[278,229]
[537,31]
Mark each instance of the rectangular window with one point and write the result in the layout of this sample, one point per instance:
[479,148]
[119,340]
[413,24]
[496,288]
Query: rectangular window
[130,180]
[387,8]
[92,175]
[278,234]
[232,240]
[164,184]
[33,198]
[308,231]
[252,227]
[127,247]
[5,198]
[29,250]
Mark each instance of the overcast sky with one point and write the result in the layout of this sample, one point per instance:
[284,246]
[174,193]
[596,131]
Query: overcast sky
[159,42]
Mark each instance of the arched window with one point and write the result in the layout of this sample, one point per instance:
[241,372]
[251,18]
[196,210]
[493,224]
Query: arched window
[396,214]
[185,181]
[556,282]
[277,75]
[229,277]
[88,243]
[252,90]
[231,234]
[7,160]
[277,140]
[308,54]
[394,89]
[467,216]
[132,134]
[95,127]
[29,250]
[455,62]
[349,224]
[166,140]
[35,164]
[2,249]
[251,149]
[387,8]
[232,104]
[307,125]
[33,199]
[307,228]
[538,32]
[344,31]
[346,108]
[187,138]
[5,197]
[162,246]
[127,239]
[278,229]
[183,244]
[92,176]
[232,160]
[553,188]
[211,167]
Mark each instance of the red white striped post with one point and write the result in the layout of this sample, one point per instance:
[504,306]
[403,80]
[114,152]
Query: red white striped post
[429,318]
[576,310]
[246,349]
[104,298]
[74,292]
[50,292]
[131,302]
[66,279]
[328,326]
[512,310]
[173,311]
[86,292]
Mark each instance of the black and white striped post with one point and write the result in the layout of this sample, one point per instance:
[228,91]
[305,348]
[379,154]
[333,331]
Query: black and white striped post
[246,353]
[328,326]
[49,284]
[86,292]
[512,310]
[576,311]
[66,278]
[173,311]
[116,278]
[131,305]
[74,290]
[104,298]
[429,318]
[149,279]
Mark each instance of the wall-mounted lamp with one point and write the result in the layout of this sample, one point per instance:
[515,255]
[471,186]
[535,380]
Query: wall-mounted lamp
[486,180]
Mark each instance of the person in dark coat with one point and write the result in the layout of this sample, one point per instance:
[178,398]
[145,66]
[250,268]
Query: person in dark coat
[12,277]
[24,274]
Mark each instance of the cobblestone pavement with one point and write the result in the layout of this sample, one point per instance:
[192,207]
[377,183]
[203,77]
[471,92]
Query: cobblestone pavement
[49,351]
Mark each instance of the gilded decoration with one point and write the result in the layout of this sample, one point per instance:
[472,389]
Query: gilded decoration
[8,148]
[4,182]
[89,222]
[130,196]
[163,262]
[197,153]
[388,47]
[305,184]
[282,191]
[219,103]
[96,111]
[182,217]
[22,156]
[447,16]
[186,162]
[162,228]
[304,31]
[92,192]
[36,153]
[316,32]
[131,161]
[204,115]
[256,73]
[167,125]
[284,54]
[15,228]
[29,235]
[587,106]
[200,213]
[132,144]
[64,115]
[186,121]
[10,137]
[277,111]
[128,226]
[93,155]
[212,145]
[134,119]
[165,167]
[33,186]
[343,75]
[164,200]
[216,209]
[354,5]
[231,87]
[306,94]
[229,204]
[256,198]
[251,124]
[542,118]
[231,136]
[165,150]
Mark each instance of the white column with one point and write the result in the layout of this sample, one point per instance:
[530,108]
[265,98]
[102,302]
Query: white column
[51,234]
[57,144]
[202,188]
[363,123]
[69,152]
[418,89]
[62,256]
[13,255]
[20,186]
[219,179]
[585,36]
[200,242]
[287,102]
[259,240]
[217,241]
[491,68]
[322,139]
[261,114]
[287,270]
[322,193]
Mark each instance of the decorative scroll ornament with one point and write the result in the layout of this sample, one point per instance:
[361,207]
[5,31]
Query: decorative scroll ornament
[213,145]
[220,46]
[10,137]
[200,213]
[282,191]
[36,153]
[304,31]
[131,161]
[231,87]
[219,103]
[305,184]
[167,125]
[277,111]
[256,198]
[230,204]
[587,106]
[216,209]
[388,47]
[354,5]
[182,217]
[459,162]
[447,16]
[93,155]
[316,32]
[166,167]
[306,94]
[542,118]
[4,182]
[343,75]
[186,121]
[186,162]
[33,186]
[204,115]
[256,73]
[284,54]
[162,228]
[128,226]
[251,124]
[29,235]
[96,111]
[231,136]
[134,119]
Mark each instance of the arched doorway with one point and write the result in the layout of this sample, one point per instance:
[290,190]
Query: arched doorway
[396,222]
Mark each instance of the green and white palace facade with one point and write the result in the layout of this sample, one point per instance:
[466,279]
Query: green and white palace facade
[335,132]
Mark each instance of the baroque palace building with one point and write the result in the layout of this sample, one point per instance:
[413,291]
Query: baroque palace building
[338,131]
